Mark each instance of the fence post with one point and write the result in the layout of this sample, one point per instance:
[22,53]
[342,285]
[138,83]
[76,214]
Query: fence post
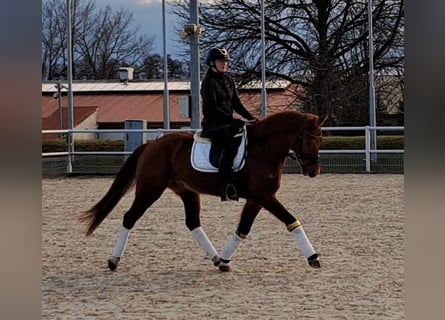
[70,147]
[368,148]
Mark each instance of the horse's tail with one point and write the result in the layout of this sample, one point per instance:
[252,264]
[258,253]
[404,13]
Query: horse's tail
[120,186]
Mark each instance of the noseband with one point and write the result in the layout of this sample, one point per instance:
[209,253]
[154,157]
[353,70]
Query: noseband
[301,157]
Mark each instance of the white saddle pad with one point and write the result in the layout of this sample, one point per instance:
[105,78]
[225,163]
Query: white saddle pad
[201,153]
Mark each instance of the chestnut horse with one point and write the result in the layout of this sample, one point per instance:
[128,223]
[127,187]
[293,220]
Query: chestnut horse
[165,163]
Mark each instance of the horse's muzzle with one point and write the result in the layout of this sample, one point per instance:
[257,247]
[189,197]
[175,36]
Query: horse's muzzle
[311,170]
[309,165]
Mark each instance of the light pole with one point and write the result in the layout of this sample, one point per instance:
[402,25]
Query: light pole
[193,31]
[70,88]
[58,95]
[166,95]
[372,116]
[263,65]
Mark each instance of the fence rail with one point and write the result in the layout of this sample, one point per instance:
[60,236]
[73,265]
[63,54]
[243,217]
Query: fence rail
[353,158]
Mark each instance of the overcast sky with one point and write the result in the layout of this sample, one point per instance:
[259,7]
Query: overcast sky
[148,15]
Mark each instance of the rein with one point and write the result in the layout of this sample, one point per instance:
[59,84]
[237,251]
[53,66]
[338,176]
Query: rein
[313,136]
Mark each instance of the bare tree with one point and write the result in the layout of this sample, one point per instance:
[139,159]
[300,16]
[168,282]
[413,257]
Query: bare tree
[103,40]
[53,39]
[320,44]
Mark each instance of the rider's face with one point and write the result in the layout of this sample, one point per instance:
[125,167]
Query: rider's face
[221,65]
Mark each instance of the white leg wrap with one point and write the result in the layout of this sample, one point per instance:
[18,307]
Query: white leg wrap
[230,247]
[204,242]
[303,241]
[121,242]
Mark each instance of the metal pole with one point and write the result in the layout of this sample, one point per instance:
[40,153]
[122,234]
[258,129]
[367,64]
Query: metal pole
[166,95]
[368,148]
[70,88]
[263,66]
[372,116]
[194,67]
[59,105]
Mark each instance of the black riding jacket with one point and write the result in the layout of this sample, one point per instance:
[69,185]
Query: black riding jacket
[219,99]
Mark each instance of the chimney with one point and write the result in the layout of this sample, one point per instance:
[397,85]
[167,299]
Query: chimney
[126,74]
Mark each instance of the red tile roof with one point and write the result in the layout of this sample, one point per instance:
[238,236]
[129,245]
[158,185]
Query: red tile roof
[116,107]
[51,116]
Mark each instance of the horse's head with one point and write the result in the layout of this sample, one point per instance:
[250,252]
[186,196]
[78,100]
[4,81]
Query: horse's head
[308,144]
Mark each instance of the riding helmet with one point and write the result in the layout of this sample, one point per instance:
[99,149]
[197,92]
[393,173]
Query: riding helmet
[217,54]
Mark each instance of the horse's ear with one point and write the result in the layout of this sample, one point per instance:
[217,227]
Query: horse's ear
[322,120]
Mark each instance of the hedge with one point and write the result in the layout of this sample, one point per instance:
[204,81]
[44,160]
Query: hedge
[328,143]
[358,142]
[83,145]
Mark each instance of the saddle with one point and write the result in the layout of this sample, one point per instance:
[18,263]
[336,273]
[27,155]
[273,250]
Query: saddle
[205,155]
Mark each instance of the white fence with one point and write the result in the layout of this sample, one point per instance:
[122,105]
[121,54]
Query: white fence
[367,151]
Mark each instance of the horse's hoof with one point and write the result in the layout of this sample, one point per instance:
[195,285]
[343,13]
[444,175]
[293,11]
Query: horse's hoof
[314,261]
[223,265]
[224,268]
[112,263]
[216,260]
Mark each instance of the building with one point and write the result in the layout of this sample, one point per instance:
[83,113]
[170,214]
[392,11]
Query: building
[108,104]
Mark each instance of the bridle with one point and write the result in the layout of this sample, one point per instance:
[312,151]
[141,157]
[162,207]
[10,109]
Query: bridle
[301,157]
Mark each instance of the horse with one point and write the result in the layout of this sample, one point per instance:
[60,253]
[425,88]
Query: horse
[165,163]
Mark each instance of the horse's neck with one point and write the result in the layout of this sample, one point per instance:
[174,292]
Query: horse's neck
[279,145]
[276,140]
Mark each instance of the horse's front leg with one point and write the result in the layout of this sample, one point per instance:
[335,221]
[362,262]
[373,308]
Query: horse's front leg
[248,215]
[294,226]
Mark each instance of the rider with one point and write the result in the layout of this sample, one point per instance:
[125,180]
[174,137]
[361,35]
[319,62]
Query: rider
[219,99]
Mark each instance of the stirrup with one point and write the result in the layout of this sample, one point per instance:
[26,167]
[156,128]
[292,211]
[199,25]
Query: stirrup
[229,193]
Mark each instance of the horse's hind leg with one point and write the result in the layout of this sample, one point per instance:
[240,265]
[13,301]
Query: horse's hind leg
[248,215]
[145,196]
[192,207]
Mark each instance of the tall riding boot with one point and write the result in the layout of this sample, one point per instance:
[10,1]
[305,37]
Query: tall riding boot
[228,191]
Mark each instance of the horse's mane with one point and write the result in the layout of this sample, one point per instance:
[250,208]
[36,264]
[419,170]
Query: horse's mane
[285,122]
